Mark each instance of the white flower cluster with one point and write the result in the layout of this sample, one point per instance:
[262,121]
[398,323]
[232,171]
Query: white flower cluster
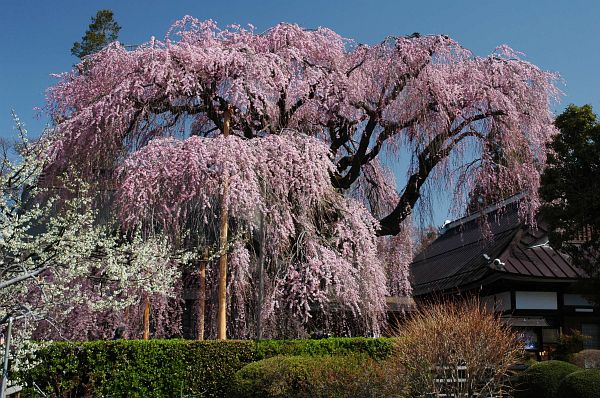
[57,263]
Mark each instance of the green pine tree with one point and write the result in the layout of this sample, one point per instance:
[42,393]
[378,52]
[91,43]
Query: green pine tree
[571,191]
[102,31]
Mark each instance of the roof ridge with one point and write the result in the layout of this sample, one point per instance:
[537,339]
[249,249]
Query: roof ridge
[486,211]
[500,233]
[474,263]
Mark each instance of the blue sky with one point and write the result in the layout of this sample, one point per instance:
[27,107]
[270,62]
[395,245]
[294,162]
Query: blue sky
[561,36]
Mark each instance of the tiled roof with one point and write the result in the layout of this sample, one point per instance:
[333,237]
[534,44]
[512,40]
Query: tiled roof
[461,256]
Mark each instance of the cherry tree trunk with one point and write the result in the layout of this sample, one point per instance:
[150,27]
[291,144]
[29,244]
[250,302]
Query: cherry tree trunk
[201,300]
[222,312]
[146,335]
[261,279]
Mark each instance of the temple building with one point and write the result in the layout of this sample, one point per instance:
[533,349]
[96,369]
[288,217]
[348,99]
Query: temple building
[513,270]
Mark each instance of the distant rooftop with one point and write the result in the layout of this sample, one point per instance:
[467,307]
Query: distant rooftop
[461,258]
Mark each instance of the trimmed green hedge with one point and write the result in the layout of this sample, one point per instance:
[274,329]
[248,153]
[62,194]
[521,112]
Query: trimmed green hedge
[380,348]
[580,384]
[542,379]
[315,377]
[154,368]
[165,368]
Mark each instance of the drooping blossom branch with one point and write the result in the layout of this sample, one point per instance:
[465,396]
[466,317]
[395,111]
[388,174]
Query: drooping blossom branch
[320,249]
[416,94]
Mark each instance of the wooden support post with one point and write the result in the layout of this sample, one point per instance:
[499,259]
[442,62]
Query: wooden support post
[261,278]
[222,294]
[4,385]
[201,298]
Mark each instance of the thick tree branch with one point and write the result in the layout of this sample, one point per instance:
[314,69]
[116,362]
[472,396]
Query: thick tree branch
[22,277]
[429,157]
[355,161]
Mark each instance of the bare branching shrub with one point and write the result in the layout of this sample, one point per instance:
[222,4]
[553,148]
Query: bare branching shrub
[457,349]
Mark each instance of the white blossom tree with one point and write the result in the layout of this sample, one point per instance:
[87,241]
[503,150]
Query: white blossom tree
[64,275]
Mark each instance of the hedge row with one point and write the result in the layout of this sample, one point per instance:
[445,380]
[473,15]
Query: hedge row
[164,368]
[155,368]
[379,348]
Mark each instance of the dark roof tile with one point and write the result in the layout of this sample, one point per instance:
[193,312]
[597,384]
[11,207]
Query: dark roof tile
[461,256]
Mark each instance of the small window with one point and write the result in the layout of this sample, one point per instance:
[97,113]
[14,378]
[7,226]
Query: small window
[550,336]
[592,330]
[536,300]
[576,299]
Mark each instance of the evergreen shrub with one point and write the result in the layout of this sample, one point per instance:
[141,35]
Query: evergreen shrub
[542,379]
[346,376]
[581,384]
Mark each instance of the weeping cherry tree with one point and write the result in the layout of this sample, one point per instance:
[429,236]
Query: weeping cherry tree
[315,123]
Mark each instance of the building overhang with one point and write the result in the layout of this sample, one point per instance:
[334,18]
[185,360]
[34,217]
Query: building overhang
[526,321]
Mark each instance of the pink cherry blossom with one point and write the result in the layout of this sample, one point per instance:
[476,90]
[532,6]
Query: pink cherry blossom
[154,115]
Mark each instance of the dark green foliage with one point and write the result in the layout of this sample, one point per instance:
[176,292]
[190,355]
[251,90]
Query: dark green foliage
[314,376]
[155,368]
[581,384]
[376,348]
[568,344]
[102,31]
[570,188]
[162,368]
[542,379]
[273,377]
